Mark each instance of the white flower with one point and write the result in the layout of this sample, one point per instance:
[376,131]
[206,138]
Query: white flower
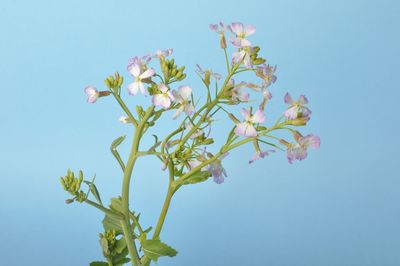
[182,96]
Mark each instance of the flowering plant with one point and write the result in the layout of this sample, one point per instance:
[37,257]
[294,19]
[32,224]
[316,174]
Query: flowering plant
[186,151]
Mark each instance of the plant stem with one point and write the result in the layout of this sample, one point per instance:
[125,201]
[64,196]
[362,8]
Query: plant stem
[126,226]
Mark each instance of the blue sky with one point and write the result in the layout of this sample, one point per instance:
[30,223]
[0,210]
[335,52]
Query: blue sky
[338,207]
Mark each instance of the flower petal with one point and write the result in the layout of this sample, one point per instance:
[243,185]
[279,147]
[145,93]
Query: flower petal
[258,117]
[148,73]
[288,99]
[185,92]
[133,88]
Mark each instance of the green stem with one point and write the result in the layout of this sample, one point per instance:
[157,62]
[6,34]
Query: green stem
[126,226]
[125,108]
[104,209]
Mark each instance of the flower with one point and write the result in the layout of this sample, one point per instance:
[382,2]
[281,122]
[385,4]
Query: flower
[241,33]
[298,150]
[237,93]
[92,94]
[297,108]
[205,74]
[219,28]
[267,73]
[182,96]
[163,99]
[259,154]
[246,128]
[141,61]
[125,120]
[139,74]
[162,53]
[242,54]
[217,170]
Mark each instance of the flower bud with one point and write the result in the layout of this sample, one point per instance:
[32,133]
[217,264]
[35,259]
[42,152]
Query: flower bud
[284,142]
[222,41]
[301,121]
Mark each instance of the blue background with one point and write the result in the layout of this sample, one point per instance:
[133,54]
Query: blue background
[338,207]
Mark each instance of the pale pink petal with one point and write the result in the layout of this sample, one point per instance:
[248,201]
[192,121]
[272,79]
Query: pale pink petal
[185,92]
[178,112]
[142,89]
[258,117]
[237,28]
[133,88]
[148,73]
[246,113]
[303,99]
[311,141]
[238,56]
[249,30]
[244,43]
[291,113]
[288,99]
[189,109]
[163,88]
[134,69]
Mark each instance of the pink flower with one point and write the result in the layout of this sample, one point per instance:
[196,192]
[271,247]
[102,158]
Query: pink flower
[182,97]
[141,61]
[297,108]
[267,73]
[242,54]
[238,95]
[162,53]
[92,94]
[208,72]
[219,28]
[246,128]
[298,150]
[163,99]
[259,154]
[139,74]
[241,33]
[217,170]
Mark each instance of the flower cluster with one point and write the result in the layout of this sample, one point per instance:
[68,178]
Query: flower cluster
[189,153]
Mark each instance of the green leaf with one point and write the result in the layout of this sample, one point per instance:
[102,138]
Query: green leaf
[94,191]
[154,249]
[98,263]
[121,258]
[114,151]
[116,204]
[120,245]
[110,222]
[197,177]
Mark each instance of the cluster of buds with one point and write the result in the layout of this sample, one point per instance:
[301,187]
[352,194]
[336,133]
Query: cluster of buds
[255,59]
[114,82]
[171,71]
[72,185]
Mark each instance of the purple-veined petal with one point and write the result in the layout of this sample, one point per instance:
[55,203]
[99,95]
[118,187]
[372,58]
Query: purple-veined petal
[246,113]
[303,99]
[237,28]
[178,112]
[288,99]
[134,69]
[311,141]
[291,113]
[133,88]
[258,117]
[249,30]
[148,73]
[185,92]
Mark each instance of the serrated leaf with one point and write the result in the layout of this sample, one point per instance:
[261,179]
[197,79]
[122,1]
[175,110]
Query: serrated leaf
[154,249]
[98,263]
[198,177]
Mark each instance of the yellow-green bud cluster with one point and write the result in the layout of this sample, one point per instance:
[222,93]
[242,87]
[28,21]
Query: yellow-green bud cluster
[72,185]
[114,82]
[255,60]
[171,71]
